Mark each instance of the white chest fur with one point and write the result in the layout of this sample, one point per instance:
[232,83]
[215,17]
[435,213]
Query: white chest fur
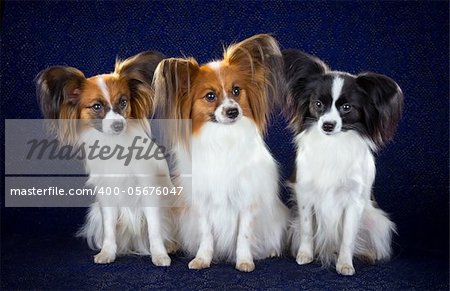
[235,180]
[125,221]
[334,183]
[327,163]
[229,161]
[130,163]
[132,152]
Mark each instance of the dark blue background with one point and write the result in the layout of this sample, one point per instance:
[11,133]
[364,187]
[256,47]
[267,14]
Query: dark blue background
[408,41]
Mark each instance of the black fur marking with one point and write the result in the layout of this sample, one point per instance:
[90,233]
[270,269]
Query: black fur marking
[376,100]
[212,117]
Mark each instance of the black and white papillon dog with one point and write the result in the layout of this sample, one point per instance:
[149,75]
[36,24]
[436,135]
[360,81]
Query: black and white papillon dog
[340,121]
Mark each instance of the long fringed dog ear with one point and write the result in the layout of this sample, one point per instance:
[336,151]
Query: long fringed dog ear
[259,58]
[58,90]
[56,87]
[138,71]
[299,66]
[172,84]
[386,98]
[299,70]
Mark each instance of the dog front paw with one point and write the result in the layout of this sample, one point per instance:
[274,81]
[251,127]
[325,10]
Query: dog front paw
[104,257]
[246,266]
[304,258]
[199,263]
[345,269]
[162,260]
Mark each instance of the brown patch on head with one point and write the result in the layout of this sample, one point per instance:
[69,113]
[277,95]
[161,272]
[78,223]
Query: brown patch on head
[111,91]
[234,76]
[258,61]
[137,72]
[120,95]
[201,108]
[219,78]
[254,101]
[253,64]
[91,95]
[98,96]
[64,93]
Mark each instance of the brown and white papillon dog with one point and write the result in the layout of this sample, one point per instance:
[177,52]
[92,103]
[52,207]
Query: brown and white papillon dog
[233,211]
[111,111]
[340,122]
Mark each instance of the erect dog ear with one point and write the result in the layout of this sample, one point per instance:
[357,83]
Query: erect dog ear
[386,98]
[300,69]
[58,86]
[59,91]
[254,52]
[139,68]
[260,62]
[299,66]
[138,71]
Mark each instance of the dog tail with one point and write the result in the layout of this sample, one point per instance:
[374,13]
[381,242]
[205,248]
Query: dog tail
[92,230]
[375,235]
[131,231]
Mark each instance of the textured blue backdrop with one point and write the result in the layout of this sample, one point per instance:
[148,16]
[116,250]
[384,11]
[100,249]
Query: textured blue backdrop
[407,41]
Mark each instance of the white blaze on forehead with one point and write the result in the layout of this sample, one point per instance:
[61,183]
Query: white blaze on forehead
[333,114]
[113,115]
[216,66]
[229,102]
[101,83]
[336,88]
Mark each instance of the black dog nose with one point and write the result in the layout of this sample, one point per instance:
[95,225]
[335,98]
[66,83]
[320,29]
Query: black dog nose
[232,113]
[117,126]
[328,126]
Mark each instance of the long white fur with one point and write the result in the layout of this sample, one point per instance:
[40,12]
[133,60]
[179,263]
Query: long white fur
[126,224]
[333,190]
[234,212]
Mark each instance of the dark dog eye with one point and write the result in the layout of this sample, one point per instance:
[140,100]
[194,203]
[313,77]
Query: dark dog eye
[97,107]
[123,103]
[236,91]
[211,97]
[318,104]
[346,107]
